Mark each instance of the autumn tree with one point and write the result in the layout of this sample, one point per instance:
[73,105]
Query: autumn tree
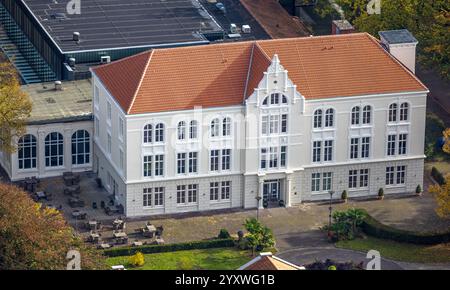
[35,237]
[259,236]
[446,135]
[15,107]
[442,195]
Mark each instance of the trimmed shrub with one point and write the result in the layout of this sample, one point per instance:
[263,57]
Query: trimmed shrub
[223,234]
[374,228]
[418,189]
[381,192]
[344,195]
[437,175]
[150,249]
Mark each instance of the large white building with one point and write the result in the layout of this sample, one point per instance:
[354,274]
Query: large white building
[238,125]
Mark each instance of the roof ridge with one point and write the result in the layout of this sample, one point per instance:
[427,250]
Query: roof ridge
[395,60]
[123,59]
[249,71]
[140,81]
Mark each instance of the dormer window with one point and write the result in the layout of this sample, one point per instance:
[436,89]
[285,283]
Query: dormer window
[275,99]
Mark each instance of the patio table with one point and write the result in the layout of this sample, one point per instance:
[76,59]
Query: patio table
[41,195]
[120,235]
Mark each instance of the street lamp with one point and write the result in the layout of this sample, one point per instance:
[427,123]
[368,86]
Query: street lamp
[331,192]
[258,199]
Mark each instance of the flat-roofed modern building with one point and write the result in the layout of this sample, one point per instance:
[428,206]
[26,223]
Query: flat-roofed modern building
[58,134]
[243,125]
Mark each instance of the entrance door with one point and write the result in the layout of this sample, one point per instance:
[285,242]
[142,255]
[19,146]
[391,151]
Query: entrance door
[271,190]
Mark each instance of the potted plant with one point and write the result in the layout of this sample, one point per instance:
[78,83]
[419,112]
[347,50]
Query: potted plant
[265,203]
[99,182]
[419,190]
[381,194]
[281,203]
[344,196]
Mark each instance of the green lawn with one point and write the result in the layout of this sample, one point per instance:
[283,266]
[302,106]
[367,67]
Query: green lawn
[400,251]
[208,259]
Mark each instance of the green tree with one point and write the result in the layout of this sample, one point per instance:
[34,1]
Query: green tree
[258,234]
[33,237]
[15,107]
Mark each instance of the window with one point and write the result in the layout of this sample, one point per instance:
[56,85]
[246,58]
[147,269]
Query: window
[329,118]
[147,165]
[273,157]
[193,162]
[27,152]
[401,172]
[402,139]
[390,175]
[159,165]
[354,146]
[263,158]
[315,182]
[326,181]
[109,144]
[147,197]
[275,99]
[366,115]
[181,194]
[192,193]
[352,178]
[54,150]
[283,156]
[159,196]
[393,113]
[365,147]
[226,127]
[404,112]
[391,145]
[274,124]
[148,133]
[215,128]
[97,126]
[108,105]
[328,150]
[181,129]
[284,123]
[193,130]
[317,150]
[214,160]
[396,175]
[159,133]
[226,159]
[225,190]
[364,178]
[80,147]
[181,163]
[214,191]
[318,118]
[264,125]
[121,160]
[355,115]
[121,128]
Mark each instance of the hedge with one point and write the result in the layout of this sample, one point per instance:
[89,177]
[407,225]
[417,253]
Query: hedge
[374,228]
[150,249]
[437,175]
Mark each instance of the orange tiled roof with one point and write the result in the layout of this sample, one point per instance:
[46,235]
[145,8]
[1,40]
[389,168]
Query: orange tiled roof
[268,262]
[224,74]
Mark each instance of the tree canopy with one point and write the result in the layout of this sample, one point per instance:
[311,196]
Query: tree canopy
[442,195]
[35,237]
[15,107]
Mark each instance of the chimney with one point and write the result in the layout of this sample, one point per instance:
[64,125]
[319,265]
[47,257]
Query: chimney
[58,86]
[402,45]
[341,27]
[76,36]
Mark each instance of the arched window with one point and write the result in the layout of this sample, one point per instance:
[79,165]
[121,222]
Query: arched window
[54,150]
[226,127]
[181,129]
[193,129]
[404,112]
[159,132]
[27,152]
[318,118]
[265,101]
[284,99]
[393,113]
[80,147]
[148,133]
[275,99]
[367,115]
[329,117]
[215,127]
[355,115]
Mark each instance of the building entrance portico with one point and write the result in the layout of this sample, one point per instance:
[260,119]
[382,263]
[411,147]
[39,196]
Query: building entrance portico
[272,190]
